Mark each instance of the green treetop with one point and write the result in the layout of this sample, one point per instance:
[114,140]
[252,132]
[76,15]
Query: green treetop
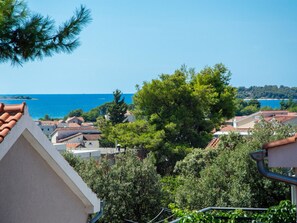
[25,36]
[187,106]
[117,108]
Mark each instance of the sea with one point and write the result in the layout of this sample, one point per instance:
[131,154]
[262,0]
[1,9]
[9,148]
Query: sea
[59,105]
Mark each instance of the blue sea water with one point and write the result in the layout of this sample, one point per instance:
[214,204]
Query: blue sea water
[273,103]
[59,105]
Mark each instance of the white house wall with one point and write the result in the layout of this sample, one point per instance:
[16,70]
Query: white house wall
[31,192]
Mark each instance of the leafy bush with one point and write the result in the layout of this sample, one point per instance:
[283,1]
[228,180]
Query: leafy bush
[285,212]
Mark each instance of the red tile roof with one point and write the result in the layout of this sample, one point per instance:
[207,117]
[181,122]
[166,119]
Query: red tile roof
[213,143]
[9,115]
[280,142]
[92,137]
[281,118]
[73,145]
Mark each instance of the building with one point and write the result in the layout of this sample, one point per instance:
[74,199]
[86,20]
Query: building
[244,124]
[37,184]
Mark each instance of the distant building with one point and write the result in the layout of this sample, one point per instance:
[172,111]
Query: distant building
[77,120]
[47,127]
[243,124]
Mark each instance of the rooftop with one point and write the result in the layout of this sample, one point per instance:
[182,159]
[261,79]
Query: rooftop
[9,115]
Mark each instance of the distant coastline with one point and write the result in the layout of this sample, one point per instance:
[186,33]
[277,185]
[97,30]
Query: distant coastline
[18,97]
[268,99]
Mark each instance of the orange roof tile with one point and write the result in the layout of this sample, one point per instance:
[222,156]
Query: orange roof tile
[280,142]
[9,115]
[92,137]
[213,143]
[73,145]
[281,118]
[73,125]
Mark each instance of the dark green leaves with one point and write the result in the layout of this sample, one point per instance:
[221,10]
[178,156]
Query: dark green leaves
[26,36]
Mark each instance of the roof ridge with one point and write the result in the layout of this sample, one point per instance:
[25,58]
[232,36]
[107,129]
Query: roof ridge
[280,142]
[9,116]
[12,107]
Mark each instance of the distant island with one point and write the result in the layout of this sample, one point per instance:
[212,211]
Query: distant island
[15,97]
[267,92]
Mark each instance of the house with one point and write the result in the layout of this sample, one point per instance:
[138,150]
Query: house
[37,184]
[47,127]
[282,153]
[243,124]
[74,119]
[65,132]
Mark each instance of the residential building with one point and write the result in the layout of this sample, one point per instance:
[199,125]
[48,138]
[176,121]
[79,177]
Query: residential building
[37,184]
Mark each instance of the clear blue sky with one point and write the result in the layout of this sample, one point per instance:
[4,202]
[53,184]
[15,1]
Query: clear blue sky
[131,41]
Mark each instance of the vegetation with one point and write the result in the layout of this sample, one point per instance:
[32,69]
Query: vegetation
[117,108]
[268,91]
[180,110]
[26,36]
[15,97]
[187,106]
[289,105]
[285,212]
[175,116]
[247,107]
[46,118]
[130,189]
[231,177]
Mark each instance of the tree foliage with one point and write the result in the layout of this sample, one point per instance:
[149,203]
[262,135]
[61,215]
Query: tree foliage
[131,188]
[26,36]
[231,178]
[185,106]
[267,91]
[117,108]
[284,212]
[247,107]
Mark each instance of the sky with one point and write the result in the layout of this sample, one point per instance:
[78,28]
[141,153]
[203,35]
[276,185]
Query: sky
[132,41]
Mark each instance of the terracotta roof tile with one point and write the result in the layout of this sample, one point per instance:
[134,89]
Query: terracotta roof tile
[280,142]
[227,128]
[92,137]
[73,125]
[9,115]
[213,143]
[70,146]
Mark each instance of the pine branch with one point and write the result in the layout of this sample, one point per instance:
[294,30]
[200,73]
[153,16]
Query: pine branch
[25,36]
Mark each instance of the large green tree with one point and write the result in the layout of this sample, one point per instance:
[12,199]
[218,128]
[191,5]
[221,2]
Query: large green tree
[26,36]
[187,105]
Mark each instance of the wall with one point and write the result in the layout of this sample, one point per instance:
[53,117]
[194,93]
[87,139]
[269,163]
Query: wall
[31,192]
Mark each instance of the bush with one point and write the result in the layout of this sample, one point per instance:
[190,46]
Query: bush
[285,212]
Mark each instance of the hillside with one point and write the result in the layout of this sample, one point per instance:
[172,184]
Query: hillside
[268,91]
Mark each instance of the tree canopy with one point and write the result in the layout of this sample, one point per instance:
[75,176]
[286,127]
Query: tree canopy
[26,36]
[231,177]
[187,105]
[131,188]
[267,91]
